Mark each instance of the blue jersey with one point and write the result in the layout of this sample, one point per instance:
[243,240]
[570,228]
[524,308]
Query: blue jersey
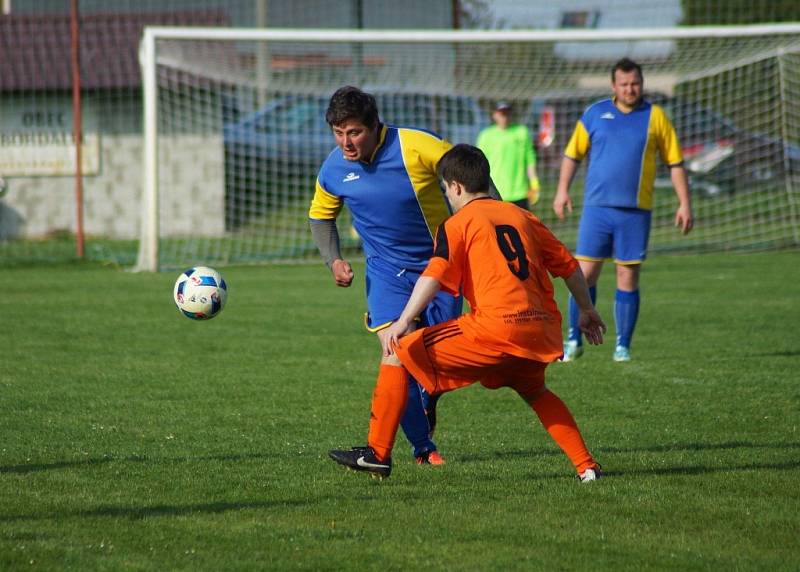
[622,151]
[395,199]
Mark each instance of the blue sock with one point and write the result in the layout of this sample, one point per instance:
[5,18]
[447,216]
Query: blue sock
[415,422]
[626,310]
[574,334]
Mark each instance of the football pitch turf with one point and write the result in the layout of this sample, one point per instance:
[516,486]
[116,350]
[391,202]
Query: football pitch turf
[136,439]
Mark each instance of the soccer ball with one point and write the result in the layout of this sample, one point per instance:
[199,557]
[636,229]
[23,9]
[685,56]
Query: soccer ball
[200,293]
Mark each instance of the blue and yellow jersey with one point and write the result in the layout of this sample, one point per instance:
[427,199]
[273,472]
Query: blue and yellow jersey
[395,199]
[622,152]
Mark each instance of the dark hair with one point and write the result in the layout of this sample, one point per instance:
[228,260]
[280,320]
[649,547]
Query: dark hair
[467,165]
[351,103]
[626,65]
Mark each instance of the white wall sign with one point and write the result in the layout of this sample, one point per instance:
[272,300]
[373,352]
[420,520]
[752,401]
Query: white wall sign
[36,139]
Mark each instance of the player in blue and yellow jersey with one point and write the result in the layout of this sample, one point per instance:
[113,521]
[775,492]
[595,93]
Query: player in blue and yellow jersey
[387,178]
[502,258]
[621,136]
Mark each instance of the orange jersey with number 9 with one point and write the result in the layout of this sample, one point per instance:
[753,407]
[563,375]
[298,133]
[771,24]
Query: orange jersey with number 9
[501,257]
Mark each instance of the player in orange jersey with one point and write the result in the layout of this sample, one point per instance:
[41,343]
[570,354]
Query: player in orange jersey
[500,256]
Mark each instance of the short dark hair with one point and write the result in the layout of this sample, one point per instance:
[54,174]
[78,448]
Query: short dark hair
[467,165]
[626,65]
[351,103]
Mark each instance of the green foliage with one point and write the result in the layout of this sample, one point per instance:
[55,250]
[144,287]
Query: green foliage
[702,12]
[134,438]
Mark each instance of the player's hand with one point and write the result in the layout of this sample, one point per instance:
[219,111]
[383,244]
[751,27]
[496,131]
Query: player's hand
[561,200]
[533,190]
[342,272]
[533,196]
[592,326]
[684,219]
[389,336]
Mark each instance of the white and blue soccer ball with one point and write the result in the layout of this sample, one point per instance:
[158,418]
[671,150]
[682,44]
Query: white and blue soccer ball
[200,293]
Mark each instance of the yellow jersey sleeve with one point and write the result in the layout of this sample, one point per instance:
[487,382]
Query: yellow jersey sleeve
[324,205]
[579,144]
[421,153]
[668,145]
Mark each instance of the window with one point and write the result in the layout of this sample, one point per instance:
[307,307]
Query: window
[580,19]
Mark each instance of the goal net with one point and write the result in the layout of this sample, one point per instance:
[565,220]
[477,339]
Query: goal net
[235,129]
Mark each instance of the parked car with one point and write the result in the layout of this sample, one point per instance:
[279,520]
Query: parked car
[274,153]
[723,158]
[719,156]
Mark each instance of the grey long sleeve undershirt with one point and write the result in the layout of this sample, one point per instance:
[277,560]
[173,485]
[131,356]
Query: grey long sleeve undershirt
[326,237]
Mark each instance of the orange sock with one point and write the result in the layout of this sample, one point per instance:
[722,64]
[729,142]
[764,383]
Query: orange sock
[558,421]
[388,405]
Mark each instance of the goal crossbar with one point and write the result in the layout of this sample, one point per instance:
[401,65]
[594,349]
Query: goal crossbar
[152,33]
[148,248]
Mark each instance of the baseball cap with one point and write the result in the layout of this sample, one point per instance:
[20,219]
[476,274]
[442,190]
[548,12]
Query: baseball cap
[502,106]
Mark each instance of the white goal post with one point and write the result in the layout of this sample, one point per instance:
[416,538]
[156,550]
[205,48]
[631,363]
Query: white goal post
[232,135]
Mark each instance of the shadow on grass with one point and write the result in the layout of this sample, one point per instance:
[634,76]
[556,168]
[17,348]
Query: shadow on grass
[661,470]
[700,447]
[91,463]
[673,471]
[786,353]
[477,457]
[718,357]
[139,513]
[701,470]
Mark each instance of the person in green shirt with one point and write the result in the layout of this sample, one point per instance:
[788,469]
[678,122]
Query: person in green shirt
[512,159]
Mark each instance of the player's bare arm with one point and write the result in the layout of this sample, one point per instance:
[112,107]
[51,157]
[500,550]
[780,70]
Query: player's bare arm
[562,199]
[680,182]
[424,291]
[589,321]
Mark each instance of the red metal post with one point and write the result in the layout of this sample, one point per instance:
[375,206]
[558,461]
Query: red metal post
[77,131]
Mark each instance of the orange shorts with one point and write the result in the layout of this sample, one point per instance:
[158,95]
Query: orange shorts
[441,358]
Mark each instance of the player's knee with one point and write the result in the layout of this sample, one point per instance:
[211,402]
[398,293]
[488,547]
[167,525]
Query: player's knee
[628,276]
[591,271]
[391,360]
[531,394]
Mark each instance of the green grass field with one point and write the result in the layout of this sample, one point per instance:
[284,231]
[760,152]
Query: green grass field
[133,438]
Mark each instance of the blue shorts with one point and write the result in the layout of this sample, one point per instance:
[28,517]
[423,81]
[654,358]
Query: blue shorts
[388,291]
[606,232]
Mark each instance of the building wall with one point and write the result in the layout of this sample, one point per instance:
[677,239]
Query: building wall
[39,206]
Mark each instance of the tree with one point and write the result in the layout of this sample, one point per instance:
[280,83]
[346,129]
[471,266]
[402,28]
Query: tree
[705,13]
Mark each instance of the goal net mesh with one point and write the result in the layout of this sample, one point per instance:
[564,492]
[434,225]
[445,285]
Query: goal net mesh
[241,130]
